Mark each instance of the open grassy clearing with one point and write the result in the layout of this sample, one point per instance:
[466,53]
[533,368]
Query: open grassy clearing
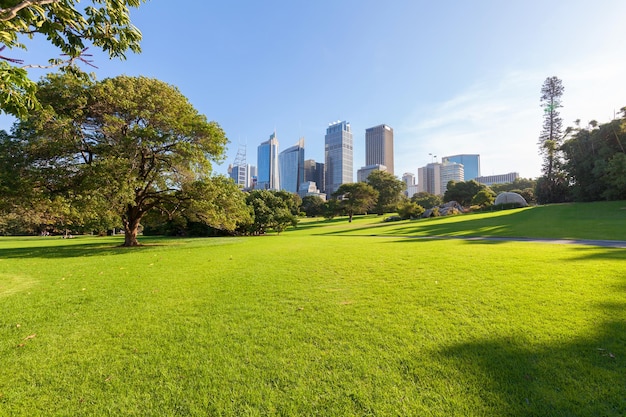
[311,323]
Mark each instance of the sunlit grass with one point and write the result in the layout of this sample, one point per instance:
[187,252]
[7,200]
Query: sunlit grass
[311,322]
[601,220]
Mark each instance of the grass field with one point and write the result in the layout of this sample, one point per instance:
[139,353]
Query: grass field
[329,319]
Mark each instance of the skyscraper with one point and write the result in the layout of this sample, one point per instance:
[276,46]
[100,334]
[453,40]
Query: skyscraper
[471,164]
[314,171]
[450,171]
[338,154]
[291,167]
[429,178]
[267,164]
[379,146]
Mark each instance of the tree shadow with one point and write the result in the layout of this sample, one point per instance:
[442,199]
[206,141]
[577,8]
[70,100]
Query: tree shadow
[55,250]
[609,253]
[583,377]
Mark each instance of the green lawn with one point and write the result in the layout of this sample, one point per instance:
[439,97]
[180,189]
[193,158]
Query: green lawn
[324,320]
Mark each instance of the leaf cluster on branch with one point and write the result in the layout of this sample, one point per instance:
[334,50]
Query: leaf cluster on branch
[104,24]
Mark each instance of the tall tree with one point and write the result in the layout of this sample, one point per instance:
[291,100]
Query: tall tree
[389,191]
[134,142]
[552,187]
[355,198]
[104,24]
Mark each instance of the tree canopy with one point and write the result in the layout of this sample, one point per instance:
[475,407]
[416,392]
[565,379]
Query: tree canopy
[595,160]
[356,198]
[426,199]
[127,143]
[104,24]
[272,210]
[389,191]
[463,191]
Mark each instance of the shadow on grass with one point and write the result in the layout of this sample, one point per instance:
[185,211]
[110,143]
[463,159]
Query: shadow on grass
[583,377]
[316,222]
[465,224]
[605,253]
[73,250]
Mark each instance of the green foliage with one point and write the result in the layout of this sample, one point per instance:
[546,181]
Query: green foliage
[410,210]
[331,209]
[355,198]
[427,200]
[389,190]
[216,202]
[463,191]
[616,177]
[484,198]
[104,24]
[517,184]
[273,210]
[312,205]
[129,144]
[594,157]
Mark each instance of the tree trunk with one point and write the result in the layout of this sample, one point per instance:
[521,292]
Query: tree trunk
[131,226]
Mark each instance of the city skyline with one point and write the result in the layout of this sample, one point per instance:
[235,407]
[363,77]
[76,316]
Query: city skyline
[462,78]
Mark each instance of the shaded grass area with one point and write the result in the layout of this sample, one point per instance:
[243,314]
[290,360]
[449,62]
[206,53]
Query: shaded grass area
[300,324]
[599,220]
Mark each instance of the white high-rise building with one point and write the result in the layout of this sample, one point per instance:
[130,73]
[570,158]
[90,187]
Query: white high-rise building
[450,171]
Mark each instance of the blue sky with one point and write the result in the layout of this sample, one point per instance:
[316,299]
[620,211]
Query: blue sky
[449,76]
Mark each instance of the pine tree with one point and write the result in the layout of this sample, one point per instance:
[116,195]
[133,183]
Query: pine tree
[552,186]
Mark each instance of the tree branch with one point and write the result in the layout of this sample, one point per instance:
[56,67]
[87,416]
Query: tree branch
[10,12]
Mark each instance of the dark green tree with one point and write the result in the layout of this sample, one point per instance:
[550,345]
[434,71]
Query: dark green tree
[271,211]
[355,198]
[463,191]
[427,200]
[484,198]
[389,191]
[312,205]
[331,209]
[409,210]
[592,160]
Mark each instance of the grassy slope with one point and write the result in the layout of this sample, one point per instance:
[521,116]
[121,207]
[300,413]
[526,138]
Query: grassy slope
[600,220]
[311,323]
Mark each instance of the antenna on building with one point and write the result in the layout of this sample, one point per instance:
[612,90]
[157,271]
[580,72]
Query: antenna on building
[240,158]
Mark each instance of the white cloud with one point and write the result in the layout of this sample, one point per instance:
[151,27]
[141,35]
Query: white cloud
[500,120]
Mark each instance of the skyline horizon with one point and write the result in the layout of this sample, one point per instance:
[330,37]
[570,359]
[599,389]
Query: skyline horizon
[463,78]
